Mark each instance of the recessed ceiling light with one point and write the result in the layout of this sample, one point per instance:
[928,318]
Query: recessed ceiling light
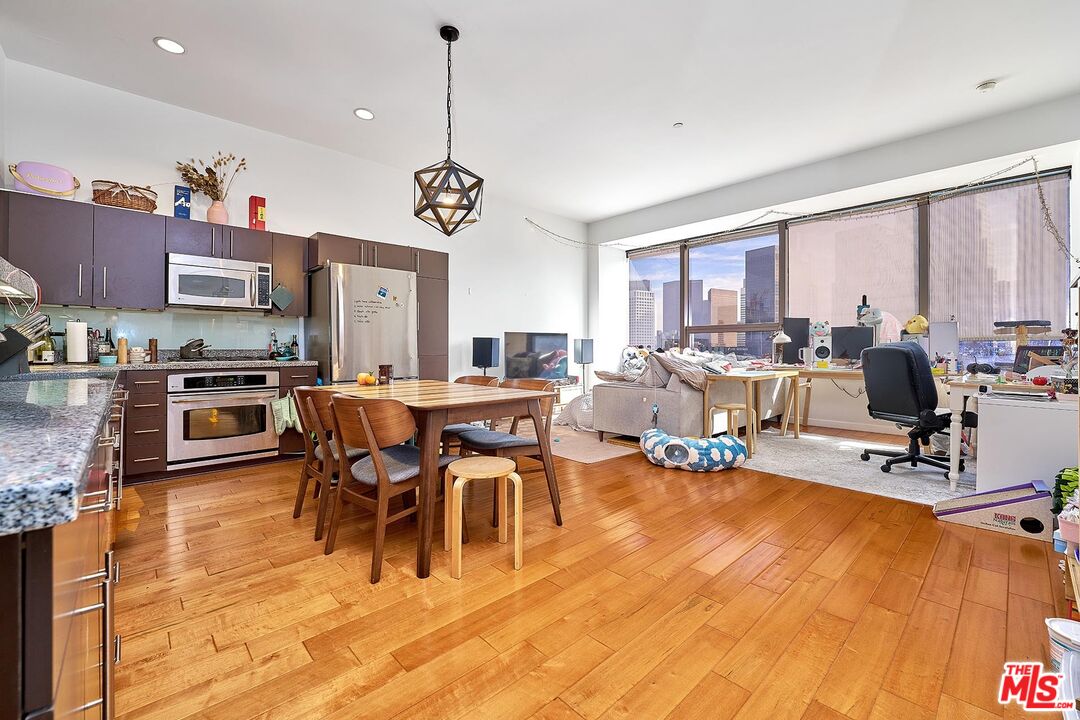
[677,125]
[363,114]
[169,46]
[986,86]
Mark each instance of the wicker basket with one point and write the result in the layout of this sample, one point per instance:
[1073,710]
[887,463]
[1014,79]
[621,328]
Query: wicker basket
[132,197]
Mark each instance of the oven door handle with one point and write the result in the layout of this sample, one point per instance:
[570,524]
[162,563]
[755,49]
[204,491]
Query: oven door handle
[217,398]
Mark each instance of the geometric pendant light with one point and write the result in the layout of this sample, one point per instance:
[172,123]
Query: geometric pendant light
[446,195]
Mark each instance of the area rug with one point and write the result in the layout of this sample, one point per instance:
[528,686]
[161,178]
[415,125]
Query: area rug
[833,460]
[585,447]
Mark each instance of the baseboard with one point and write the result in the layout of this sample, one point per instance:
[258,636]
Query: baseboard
[883,428]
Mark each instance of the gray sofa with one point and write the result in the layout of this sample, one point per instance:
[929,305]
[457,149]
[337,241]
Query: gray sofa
[625,408]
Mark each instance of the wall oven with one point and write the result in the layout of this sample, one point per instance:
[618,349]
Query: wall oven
[211,282]
[220,417]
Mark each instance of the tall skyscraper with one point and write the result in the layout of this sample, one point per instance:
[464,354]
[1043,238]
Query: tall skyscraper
[642,316]
[762,296]
[670,326]
[723,310]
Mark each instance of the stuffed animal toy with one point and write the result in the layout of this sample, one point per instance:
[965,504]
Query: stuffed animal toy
[917,325]
[820,329]
[693,453]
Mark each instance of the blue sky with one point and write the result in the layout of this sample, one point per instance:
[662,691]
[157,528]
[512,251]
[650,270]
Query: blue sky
[717,266]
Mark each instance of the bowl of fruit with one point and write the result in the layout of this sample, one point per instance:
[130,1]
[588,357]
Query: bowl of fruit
[366,379]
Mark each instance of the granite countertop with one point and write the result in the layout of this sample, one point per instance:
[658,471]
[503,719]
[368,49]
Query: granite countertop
[47,433]
[62,371]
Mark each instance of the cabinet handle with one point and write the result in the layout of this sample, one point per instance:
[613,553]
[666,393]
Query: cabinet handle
[298,376]
[375,256]
[231,243]
[363,254]
[417,262]
[80,279]
[146,382]
[104,282]
[149,459]
[146,405]
[213,241]
[145,432]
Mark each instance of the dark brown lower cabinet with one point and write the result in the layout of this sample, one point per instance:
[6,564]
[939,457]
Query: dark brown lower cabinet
[434,367]
[58,644]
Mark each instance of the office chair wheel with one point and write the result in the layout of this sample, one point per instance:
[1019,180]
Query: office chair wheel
[886,468]
[865,456]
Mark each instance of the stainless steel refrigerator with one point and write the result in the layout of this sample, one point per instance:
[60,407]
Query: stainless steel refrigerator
[362,317]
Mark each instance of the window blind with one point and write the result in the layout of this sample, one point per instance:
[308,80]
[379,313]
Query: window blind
[992,259]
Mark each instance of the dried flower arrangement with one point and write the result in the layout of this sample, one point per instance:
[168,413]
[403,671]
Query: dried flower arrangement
[213,179]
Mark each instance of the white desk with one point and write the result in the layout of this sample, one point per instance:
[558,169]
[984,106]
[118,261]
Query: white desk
[959,392]
[1023,440]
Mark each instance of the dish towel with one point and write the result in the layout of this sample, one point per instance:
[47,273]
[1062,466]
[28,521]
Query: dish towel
[285,414]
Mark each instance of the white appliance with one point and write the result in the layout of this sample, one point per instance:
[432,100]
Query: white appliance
[362,317]
[219,416]
[1023,440]
[210,282]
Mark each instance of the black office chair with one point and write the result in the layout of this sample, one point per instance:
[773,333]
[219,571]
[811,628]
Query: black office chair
[901,389]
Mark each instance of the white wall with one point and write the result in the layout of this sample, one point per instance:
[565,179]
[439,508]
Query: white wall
[3,106]
[504,275]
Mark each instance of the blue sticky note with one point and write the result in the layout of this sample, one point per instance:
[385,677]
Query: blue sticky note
[181,201]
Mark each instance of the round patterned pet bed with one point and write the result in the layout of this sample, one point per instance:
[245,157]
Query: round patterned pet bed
[693,453]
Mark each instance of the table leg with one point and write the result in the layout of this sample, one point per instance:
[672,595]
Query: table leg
[806,404]
[796,403]
[431,425]
[956,427]
[757,407]
[545,454]
[749,394]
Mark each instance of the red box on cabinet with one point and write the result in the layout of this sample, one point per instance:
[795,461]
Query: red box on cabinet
[257,212]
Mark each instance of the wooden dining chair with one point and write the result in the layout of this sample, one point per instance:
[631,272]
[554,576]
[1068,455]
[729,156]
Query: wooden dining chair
[379,426]
[512,445]
[450,432]
[320,452]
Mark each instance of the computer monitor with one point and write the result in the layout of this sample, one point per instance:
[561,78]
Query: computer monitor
[798,329]
[849,342]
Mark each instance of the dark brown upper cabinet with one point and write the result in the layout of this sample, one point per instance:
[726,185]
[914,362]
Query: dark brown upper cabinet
[129,259]
[53,240]
[246,244]
[192,237]
[290,270]
[392,257]
[325,247]
[431,264]
[432,307]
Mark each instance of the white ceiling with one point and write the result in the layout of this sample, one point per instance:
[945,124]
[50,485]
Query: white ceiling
[568,105]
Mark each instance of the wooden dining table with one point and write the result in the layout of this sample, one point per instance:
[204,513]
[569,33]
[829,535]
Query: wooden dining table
[436,404]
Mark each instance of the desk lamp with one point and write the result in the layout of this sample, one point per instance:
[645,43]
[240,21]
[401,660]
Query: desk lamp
[778,341]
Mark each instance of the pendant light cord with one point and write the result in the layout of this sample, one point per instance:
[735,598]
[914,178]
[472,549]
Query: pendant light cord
[449,104]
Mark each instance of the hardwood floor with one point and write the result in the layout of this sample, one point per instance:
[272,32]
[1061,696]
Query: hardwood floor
[666,595]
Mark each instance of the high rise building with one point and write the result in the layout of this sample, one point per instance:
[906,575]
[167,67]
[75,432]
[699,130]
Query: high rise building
[723,310]
[762,296]
[670,312]
[642,316]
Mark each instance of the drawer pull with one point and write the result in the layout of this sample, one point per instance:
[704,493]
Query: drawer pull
[149,459]
[86,609]
[147,405]
[147,382]
[144,432]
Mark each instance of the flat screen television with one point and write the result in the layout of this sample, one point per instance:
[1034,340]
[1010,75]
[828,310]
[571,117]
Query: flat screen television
[535,355]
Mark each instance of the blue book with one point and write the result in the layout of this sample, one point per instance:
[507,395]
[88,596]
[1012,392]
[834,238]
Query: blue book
[181,201]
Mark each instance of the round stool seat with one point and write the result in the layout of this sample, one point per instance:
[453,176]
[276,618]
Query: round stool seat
[481,467]
[730,406]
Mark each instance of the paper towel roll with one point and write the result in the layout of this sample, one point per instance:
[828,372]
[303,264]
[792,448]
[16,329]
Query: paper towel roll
[75,344]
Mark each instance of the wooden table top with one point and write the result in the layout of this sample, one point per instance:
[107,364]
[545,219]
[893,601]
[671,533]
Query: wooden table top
[1010,386]
[754,375]
[438,395]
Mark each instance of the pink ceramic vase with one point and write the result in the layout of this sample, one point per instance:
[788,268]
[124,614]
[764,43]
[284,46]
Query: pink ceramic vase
[217,213]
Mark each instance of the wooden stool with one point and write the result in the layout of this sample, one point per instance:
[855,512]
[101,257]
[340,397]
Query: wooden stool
[480,467]
[733,409]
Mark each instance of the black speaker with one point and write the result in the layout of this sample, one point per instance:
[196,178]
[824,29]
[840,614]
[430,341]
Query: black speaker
[583,351]
[798,329]
[485,352]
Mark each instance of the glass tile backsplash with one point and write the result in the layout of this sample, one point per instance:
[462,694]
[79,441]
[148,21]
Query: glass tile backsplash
[174,327]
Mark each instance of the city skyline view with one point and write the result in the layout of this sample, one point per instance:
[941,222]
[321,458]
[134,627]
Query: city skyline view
[730,283]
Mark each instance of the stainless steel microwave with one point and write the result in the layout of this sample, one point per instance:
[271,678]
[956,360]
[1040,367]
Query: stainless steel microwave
[211,282]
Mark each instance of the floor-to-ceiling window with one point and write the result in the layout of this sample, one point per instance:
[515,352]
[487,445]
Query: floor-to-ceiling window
[655,296]
[734,288]
[992,258]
